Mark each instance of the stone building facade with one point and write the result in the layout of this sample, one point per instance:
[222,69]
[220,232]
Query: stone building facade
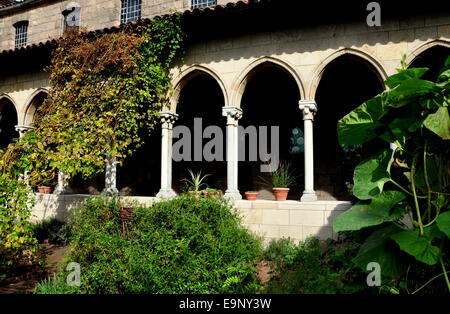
[274,62]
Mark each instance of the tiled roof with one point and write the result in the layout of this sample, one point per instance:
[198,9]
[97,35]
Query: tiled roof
[6,3]
[10,3]
[225,7]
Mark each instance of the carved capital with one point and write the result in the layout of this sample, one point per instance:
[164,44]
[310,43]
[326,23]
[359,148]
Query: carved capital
[308,108]
[22,129]
[233,114]
[168,119]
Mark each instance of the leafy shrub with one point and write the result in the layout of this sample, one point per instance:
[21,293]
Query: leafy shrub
[313,267]
[183,245]
[281,251]
[53,230]
[17,244]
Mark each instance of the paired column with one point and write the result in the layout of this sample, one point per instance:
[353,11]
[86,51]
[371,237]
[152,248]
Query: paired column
[62,187]
[233,114]
[167,121]
[309,109]
[110,177]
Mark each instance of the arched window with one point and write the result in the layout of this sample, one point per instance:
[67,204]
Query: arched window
[203,3]
[131,10]
[21,33]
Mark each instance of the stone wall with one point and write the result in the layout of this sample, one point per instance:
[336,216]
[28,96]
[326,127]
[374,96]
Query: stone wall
[305,52]
[46,21]
[269,219]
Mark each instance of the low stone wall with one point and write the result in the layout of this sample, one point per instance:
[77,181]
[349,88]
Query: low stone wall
[270,219]
[294,219]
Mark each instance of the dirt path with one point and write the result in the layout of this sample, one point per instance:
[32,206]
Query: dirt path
[31,275]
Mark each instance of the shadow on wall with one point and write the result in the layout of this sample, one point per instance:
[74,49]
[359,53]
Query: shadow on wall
[281,27]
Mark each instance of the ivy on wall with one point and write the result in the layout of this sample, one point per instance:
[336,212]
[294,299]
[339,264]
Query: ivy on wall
[106,93]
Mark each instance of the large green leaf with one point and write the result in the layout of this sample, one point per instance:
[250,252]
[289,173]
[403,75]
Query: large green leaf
[371,175]
[365,215]
[359,125]
[379,248]
[410,91]
[443,223]
[444,73]
[418,246]
[396,79]
[400,127]
[439,123]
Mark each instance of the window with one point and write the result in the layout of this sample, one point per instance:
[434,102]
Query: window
[71,17]
[21,33]
[131,10]
[203,3]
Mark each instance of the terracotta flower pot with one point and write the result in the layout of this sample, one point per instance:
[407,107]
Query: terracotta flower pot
[212,194]
[195,194]
[280,193]
[251,196]
[45,189]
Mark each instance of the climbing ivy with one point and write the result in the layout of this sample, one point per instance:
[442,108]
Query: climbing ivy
[106,92]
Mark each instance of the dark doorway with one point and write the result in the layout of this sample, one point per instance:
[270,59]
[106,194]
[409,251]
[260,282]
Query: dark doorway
[271,99]
[8,121]
[201,97]
[347,82]
[434,59]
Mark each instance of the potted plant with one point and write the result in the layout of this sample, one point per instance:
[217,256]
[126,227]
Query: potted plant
[212,193]
[251,195]
[282,179]
[44,181]
[195,183]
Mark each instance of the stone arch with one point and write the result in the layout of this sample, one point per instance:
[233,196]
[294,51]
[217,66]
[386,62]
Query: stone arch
[185,76]
[371,60]
[31,105]
[9,98]
[246,75]
[422,48]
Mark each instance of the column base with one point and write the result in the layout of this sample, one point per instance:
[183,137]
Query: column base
[232,195]
[309,196]
[60,190]
[166,193]
[110,191]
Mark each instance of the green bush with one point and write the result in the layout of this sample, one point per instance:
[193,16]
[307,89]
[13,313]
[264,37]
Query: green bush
[18,247]
[183,245]
[52,230]
[313,266]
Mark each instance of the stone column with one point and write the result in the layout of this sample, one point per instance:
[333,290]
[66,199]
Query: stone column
[62,187]
[111,177]
[308,108]
[233,114]
[167,121]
